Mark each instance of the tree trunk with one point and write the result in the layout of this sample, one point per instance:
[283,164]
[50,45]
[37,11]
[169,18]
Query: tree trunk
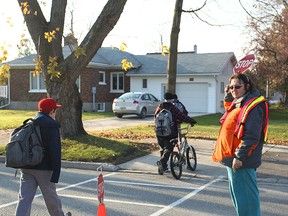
[172,61]
[64,89]
[70,114]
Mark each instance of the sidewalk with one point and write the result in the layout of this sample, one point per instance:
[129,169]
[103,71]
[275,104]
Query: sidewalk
[273,168]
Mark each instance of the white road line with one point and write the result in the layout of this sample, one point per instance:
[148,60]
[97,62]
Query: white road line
[172,205]
[114,201]
[59,189]
[150,185]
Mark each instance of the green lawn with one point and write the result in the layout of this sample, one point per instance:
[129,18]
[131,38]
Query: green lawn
[120,145]
[14,118]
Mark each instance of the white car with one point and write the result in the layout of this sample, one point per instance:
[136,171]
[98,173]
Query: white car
[139,103]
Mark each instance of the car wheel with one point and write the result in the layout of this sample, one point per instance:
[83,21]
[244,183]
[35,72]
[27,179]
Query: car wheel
[143,113]
[119,115]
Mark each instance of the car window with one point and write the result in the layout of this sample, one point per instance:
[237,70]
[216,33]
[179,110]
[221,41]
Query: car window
[153,98]
[145,97]
[129,96]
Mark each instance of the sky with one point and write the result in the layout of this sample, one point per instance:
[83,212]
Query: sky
[145,23]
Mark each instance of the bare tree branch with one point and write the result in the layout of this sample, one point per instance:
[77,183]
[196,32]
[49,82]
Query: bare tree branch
[198,9]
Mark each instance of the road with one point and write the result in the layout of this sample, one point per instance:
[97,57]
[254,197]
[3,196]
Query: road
[114,122]
[143,194]
[137,190]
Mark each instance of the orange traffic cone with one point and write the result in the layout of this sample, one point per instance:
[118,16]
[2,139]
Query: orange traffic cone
[101,210]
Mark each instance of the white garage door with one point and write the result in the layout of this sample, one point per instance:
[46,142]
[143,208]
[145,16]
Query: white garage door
[193,96]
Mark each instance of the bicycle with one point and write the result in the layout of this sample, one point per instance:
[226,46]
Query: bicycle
[185,154]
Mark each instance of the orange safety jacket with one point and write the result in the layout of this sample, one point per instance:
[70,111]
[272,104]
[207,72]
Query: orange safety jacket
[233,123]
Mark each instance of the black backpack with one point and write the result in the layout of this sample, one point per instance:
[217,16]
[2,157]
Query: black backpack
[25,148]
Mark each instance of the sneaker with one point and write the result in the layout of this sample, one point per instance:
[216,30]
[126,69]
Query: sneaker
[68,214]
[160,168]
[166,170]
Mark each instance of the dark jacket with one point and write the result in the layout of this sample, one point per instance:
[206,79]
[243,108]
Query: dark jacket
[177,116]
[52,145]
[180,106]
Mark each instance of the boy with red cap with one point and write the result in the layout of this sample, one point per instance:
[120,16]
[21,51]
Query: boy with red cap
[47,173]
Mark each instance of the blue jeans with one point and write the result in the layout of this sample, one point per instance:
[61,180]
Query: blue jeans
[244,191]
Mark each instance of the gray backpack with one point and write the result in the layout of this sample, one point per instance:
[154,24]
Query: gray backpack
[163,123]
[25,146]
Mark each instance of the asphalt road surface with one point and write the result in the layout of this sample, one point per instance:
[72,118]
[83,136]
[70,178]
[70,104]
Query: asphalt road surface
[137,190]
[142,194]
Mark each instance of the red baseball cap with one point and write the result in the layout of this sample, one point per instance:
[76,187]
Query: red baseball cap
[47,104]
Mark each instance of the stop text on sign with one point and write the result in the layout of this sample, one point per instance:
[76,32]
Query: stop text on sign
[244,63]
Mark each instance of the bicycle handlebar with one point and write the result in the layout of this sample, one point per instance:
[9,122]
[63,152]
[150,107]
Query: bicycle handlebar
[186,129]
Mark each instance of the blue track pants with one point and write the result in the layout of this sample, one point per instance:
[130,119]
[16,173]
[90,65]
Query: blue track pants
[244,191]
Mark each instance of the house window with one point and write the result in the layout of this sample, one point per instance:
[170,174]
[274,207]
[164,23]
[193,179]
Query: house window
[102,78]
[117,82]
[37,83]
[101,107]
[222,88]
[144,83]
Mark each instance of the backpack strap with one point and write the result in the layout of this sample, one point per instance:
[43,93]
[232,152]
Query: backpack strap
[27,120]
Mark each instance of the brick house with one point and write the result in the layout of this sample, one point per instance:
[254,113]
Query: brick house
[102,81]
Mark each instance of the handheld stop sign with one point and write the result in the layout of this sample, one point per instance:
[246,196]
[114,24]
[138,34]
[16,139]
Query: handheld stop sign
[243,64]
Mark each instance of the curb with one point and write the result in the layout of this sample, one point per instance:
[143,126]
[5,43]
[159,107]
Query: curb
[82,165]
[89,166]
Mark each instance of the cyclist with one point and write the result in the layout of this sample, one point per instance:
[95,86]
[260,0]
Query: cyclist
[166,147]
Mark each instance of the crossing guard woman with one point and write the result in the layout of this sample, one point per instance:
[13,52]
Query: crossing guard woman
[240,141]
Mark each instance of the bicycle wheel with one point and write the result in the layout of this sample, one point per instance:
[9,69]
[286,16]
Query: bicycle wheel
[176,165]
[191,158]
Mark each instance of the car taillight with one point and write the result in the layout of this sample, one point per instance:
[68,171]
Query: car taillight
[135,102]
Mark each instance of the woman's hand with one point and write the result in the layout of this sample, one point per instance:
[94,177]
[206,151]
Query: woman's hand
[236,164]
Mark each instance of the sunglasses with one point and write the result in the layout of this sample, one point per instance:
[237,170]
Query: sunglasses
[234,87]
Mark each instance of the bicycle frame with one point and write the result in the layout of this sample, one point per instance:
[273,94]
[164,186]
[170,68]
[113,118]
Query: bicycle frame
[185,154]
[182,140]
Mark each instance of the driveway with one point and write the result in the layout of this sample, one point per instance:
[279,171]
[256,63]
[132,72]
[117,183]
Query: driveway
[114,122]
[95,125]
